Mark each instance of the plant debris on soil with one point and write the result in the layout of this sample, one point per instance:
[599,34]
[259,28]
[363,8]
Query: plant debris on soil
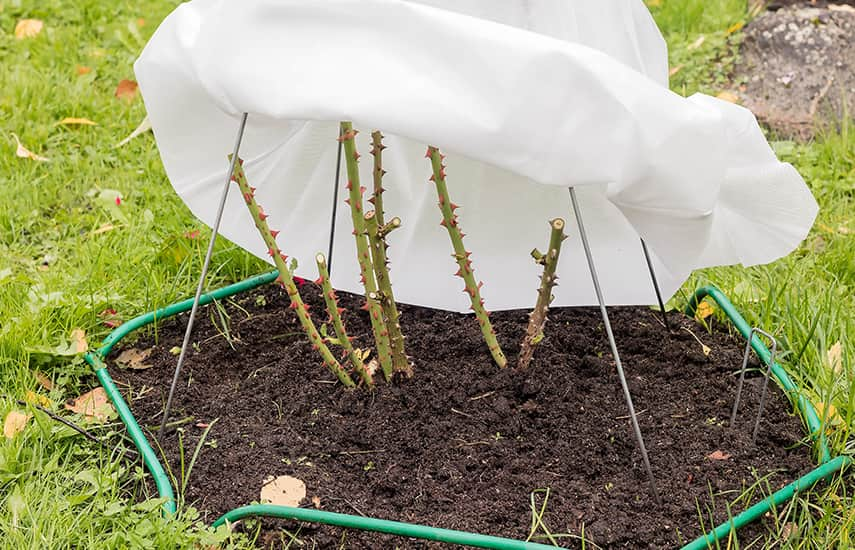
[463,444]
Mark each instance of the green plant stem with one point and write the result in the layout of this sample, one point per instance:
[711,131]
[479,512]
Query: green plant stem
[366,270]
[285,277]
[450,222]
[538,317]
[377,197]
[377,241]
[334,311]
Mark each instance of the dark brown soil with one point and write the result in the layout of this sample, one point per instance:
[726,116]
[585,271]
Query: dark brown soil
[462,445]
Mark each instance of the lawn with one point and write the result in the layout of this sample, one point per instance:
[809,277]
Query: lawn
[96,235]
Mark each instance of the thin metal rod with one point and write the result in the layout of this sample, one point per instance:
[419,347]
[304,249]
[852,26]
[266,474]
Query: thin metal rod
[655,284]
[633,417]
[334,203]
[765,381]
[214,230]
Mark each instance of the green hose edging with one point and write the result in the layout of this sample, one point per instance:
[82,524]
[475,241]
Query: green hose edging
[96,359]
[379,525]
[808,412]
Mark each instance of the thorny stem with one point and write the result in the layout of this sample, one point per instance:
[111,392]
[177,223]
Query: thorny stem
[377,197]
[375,312]
[285,277]
[450,222]
[335,311]
[538,317]
[377,240]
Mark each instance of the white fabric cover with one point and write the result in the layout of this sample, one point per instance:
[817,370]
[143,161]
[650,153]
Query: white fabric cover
[521,115]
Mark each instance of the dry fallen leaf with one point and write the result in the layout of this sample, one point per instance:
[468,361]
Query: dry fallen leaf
[718,455]
[78,341]
[735,27]
[134,359]
[15,423]
[93,404]
[71,121]
[32,397]
[316,502]
[697,43]
[835,358]
[104,228]
[43,380]
[827,414]
[28,28]
[728,96]
[705,309]
[25,153]
[127,90]
[283,491]
[82,70]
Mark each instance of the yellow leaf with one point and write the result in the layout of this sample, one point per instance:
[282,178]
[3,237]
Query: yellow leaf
[283,491]
[36,399]
[15,423]
[94,404]
[735,27]
[705,309]
[728,96]
[697,43]
[653,3]
[78,341]
[104,228]
[827,414]
[25,153]
[835,358]
[28,28]
[70,121]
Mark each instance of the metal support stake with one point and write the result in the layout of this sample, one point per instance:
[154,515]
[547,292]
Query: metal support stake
[655,284]
[765,382]
[633,417]
[334,202]
[214,230]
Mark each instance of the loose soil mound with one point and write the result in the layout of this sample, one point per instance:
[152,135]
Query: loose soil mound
[462,445]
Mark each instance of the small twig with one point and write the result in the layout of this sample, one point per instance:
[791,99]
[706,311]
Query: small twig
[461,413]
[482,396]
[373,451]
[175,423]
[627,417]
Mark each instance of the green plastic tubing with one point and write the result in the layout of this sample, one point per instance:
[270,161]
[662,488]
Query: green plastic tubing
[828,468]
[780,497]
[380,526]
[809,413]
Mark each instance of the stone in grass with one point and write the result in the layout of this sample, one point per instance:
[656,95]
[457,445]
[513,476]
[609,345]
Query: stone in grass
[797,68]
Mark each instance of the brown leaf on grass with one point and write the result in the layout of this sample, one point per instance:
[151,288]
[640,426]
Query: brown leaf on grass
[15,423]
[78,341]
[24,153]
[127,90]
[43,380]
[93,404]
[72,121]
[283,491]
[134,359]
[718,455]
[82,70]
[28,28]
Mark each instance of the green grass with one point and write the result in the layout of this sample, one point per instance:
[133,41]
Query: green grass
[60,266]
